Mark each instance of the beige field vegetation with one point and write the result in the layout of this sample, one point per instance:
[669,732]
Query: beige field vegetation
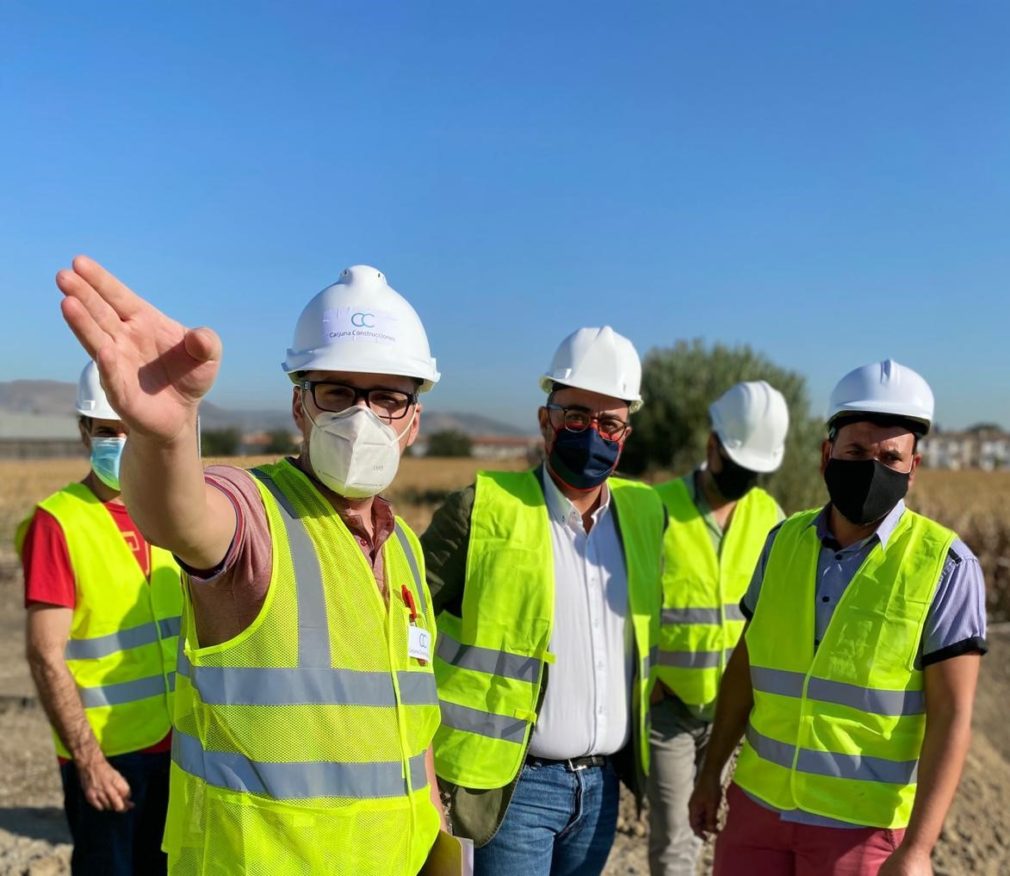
[976,504]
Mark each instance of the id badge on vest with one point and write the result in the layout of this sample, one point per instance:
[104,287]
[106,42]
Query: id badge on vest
[418,638]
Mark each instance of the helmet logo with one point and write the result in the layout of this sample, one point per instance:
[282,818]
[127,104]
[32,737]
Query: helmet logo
[348,324]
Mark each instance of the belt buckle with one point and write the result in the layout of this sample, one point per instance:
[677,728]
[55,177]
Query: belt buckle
[577,767]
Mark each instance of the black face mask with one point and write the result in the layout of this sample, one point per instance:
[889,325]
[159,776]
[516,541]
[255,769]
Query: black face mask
[734,481]
[864,490]
[583,459]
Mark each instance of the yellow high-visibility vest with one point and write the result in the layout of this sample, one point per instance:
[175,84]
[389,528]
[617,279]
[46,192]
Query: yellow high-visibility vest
[838,731]
[299,744]
[125,627]
[490,662]
[701,621]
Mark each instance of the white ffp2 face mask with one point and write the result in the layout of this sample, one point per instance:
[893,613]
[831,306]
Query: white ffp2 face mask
[354,453]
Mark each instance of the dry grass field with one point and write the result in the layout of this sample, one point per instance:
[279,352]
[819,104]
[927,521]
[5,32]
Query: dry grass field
[976,839]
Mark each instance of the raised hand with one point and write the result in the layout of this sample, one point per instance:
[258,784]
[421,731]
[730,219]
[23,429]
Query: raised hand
[154,370]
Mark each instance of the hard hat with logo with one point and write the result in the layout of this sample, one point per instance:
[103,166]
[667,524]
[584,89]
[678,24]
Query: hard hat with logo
[362,325]
[599,360]
[91,400]
[883,389]
[751,420]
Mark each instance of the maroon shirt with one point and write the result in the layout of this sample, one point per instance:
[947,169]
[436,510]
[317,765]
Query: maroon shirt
[228,598]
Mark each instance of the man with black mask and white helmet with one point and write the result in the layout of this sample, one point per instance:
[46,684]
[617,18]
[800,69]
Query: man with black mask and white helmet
[719,520]
[547,589]
[305,702]
[854,681]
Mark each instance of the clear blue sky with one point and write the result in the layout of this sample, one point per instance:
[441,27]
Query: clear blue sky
[827,181]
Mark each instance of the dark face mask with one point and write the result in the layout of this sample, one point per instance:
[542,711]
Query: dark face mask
[864,490]
[583,459]
[734,481]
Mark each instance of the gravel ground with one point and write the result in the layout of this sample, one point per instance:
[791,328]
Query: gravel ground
[34,838]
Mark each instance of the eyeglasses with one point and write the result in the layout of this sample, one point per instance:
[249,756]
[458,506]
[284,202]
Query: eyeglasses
[389,404]
[579,419]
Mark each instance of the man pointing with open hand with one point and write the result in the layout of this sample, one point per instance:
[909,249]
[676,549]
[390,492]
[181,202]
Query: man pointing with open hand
[305,700]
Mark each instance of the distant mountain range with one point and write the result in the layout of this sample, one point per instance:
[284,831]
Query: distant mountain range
[52,398]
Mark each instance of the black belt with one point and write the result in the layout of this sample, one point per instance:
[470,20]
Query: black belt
[572,764]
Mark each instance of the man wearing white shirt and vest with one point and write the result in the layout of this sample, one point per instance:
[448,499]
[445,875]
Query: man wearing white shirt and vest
[102,634]
[305,700]
[854,682]
[546,585]
[719,520]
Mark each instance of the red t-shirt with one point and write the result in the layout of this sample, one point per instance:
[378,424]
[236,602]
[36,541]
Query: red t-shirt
[50,578]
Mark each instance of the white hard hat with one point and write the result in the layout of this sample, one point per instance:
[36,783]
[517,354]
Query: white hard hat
[884,388]
[362,325]
[751,420]
[91,400]
[599,360]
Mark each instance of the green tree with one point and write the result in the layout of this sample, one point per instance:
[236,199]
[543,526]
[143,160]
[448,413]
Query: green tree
[220,442]
[279,441]
[450,442]
[678,385]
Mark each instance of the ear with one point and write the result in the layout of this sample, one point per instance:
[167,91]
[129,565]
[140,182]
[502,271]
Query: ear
[298,411]
[916,459]
[544,420]
[712,455]
[825,454]
[85,434]
[415,427]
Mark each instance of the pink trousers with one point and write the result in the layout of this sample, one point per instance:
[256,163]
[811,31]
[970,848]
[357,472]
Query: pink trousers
[756,842]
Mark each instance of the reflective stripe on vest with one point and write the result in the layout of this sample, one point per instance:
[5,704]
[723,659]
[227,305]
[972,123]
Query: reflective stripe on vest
[829,763]
[490,662]
[316,686]
[317,704]
[294,781]
[701,617]
[837,732]
[134,637]
[695,659]
[123,635]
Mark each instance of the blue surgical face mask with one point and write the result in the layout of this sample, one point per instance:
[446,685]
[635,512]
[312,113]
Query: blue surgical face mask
[106,454]
[583,460]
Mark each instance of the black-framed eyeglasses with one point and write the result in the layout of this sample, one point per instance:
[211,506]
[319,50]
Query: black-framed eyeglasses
[389,404]
[578,419]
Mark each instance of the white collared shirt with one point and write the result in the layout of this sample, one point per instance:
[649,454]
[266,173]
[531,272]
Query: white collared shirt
[586,705]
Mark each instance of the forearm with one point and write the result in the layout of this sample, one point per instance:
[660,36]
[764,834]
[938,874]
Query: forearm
[62,704]
[165,492]
[944,748]
[733,708]
[436,797]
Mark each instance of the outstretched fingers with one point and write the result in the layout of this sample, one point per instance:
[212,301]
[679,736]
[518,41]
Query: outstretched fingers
[72,285]
[84,326]
[117,294]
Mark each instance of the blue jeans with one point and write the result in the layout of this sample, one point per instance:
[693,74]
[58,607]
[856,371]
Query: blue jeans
[120,843]
[560,822]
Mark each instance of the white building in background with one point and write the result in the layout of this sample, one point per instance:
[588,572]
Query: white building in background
[39,436]
[504,446]
[985,448]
